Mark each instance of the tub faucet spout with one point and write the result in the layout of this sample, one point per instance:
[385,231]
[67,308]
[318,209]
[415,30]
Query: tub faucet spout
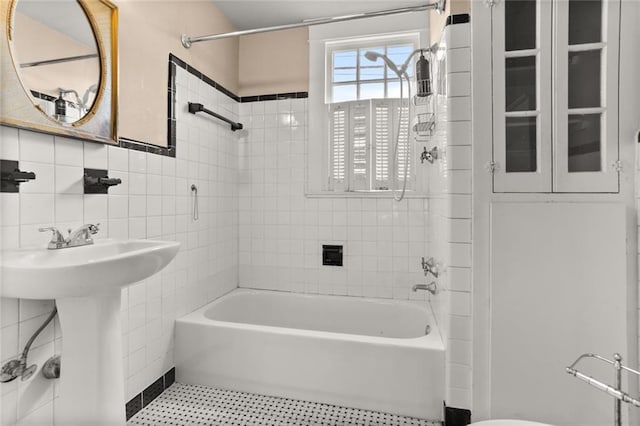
[432,287]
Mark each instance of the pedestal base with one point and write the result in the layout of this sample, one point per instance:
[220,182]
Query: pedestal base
[91,374]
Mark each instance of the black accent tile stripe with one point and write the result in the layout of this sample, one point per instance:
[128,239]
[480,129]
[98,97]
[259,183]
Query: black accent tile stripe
[275,96]
[152,391]
[249,98]
[135,145]
[461,18]
[174,62]
[44,96]
[173,59]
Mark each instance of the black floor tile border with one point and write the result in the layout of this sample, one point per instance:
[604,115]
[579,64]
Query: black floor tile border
[150,393]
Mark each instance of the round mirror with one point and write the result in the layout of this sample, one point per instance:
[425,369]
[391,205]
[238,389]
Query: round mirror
[56,55]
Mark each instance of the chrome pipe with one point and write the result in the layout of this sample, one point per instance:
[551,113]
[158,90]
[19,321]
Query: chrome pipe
[617,403]
[18,367]
[439,6]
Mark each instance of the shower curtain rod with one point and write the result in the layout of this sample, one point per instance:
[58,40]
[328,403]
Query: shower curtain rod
[439,6]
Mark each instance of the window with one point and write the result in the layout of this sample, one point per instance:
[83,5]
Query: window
[364,112]
[354,106]
[351,76]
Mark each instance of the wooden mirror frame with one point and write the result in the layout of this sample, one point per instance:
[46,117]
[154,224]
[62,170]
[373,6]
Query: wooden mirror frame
[17,109]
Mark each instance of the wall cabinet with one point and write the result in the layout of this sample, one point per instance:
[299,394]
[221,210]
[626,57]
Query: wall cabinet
[555,95]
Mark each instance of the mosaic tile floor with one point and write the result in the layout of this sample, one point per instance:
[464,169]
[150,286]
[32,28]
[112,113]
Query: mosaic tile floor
[187,405]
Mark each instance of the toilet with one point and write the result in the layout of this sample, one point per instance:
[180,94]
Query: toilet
[507,422]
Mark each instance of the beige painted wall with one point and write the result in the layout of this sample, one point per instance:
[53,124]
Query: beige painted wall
[276,62]
[149,31]
[437,21]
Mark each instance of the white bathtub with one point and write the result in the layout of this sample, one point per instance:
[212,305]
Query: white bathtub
[354,352]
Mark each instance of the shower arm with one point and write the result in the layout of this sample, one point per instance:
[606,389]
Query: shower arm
[438,6]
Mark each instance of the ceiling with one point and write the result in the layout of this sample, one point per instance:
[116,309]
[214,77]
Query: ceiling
[248,14]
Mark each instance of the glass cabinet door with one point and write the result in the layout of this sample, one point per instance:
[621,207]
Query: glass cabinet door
[521,107]
[555,95]
[586,95]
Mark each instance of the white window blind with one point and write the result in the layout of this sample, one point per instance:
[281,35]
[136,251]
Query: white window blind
[383,143]
[403,154]
[359,130]
[363,135]
[338,147]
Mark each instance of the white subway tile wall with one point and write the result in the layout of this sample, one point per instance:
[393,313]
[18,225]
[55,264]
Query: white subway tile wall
[153,201]
[450,215]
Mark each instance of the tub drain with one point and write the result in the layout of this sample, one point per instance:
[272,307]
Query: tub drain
[427,330]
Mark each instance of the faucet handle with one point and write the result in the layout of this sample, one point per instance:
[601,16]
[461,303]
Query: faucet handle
[57,240]
[56,236]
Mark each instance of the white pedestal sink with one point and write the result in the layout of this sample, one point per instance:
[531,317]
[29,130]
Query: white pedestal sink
[86,282]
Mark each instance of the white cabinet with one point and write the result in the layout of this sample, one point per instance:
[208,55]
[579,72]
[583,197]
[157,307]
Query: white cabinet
[555,95]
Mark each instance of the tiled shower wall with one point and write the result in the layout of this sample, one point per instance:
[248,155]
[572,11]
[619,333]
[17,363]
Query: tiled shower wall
[153,201]
[450,212]
[282,231]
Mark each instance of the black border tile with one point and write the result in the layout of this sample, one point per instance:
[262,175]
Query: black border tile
[209,81]
[44,96]
[133,406]
[461,18]
[169,377]
[456,416]
[191,70]
[179,62]
[253,99]
[150,393]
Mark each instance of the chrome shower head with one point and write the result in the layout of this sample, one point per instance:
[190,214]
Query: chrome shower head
[374,56]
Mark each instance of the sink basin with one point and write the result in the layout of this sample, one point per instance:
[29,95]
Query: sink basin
[38,273]
[85,281]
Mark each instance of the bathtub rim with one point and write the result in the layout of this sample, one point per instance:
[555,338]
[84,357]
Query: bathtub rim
[432,341]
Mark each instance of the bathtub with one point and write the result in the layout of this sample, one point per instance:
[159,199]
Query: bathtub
[360,353]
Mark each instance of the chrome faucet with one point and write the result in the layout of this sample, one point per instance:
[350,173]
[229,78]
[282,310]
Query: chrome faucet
[79,237]
[57,240]
[432,287]
[82,235]
[430,156]
[429,267]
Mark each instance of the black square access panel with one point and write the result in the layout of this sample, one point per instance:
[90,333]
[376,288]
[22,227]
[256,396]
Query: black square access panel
[332,255]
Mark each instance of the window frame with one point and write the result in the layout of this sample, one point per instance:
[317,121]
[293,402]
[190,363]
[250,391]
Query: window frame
[317,149]
[360,44]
